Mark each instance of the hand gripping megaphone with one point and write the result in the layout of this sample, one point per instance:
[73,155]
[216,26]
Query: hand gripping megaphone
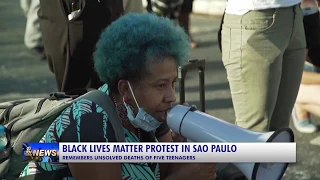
[197,126]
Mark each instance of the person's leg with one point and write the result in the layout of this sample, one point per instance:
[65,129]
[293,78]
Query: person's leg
[301,119]
[292,69]
[300,113]
[312,108]
[134,6]
[219,32]
[33,35]
[308,101]
[148,7]
[308,94]
[25,6]
[184,19]
[54,29]
[252,51]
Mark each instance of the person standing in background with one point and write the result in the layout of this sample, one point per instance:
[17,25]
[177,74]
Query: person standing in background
[184,19]
[308,99]
[33,36]
[263,51]
[170,9]
[147,5]
[70,30]
[177,10]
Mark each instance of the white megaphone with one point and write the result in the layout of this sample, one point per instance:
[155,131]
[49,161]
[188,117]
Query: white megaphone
[197,126]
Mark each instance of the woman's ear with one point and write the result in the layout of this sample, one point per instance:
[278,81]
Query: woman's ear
[124,90]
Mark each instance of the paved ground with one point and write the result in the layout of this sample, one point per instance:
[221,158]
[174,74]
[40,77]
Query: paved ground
[21,75]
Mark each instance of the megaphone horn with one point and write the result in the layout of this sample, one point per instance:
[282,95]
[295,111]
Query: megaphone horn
[197,126]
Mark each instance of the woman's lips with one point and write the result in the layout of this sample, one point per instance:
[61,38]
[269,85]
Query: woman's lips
[165,113]
[162,115]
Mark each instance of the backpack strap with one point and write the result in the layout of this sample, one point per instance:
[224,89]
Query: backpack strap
[105,102]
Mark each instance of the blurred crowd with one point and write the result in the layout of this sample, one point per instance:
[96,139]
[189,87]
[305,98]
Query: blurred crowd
[270,51]
[68,43]
[267,80]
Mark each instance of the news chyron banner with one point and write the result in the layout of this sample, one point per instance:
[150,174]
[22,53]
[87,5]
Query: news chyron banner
[159,152]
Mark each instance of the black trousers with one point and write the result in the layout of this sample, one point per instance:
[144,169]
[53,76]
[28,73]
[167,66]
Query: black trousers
[219,33]
[69,44]
[187,6]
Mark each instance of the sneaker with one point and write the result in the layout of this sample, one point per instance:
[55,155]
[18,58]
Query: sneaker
[304,126]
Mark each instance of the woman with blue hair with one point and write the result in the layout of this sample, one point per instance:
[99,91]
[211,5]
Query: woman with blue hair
[137,58]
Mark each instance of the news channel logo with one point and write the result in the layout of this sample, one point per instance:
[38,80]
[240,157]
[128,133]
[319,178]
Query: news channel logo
[40,152]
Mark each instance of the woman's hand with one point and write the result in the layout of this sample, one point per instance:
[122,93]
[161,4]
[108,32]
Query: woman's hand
[199,171]
[177,137]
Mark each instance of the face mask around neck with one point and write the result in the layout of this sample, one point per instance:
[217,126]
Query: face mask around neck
[143,120]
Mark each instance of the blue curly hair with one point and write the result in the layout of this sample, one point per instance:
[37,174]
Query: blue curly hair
[132,41]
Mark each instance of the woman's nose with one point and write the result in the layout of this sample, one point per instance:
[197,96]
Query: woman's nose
[170,96]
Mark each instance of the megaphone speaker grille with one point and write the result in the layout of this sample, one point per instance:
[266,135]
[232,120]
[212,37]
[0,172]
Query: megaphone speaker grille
[266,171]
[282,135]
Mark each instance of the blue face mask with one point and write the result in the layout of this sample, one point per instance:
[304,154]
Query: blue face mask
[143,120]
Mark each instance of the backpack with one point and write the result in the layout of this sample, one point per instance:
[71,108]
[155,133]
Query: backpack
[27,120]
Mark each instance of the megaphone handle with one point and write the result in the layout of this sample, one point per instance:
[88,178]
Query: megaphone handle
[202,92]
[182,91]
[183,70]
